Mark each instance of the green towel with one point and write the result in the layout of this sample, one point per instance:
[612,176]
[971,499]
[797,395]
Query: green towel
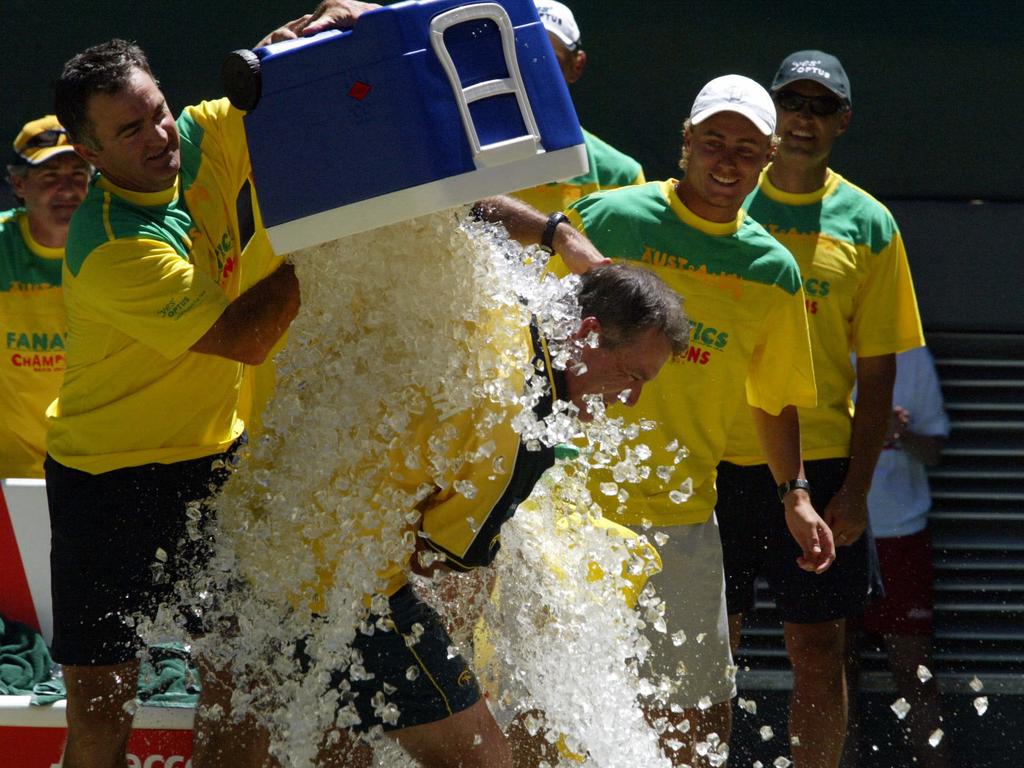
[166,679]
[24,659]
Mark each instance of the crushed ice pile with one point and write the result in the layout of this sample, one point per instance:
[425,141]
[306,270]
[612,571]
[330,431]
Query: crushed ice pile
[566,643]
[426,314]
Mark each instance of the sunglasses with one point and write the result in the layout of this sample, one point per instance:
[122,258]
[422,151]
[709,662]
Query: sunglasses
[49,138]
[822,106]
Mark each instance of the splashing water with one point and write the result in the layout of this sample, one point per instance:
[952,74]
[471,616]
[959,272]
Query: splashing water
[900,707]
[423,317]
[565,640]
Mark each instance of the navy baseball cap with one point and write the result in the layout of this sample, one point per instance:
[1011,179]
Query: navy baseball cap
[818,66]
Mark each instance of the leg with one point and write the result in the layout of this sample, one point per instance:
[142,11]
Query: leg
[691,727]
[692,584]
[467,739]
[346,752]
[814,608]
[220,741]
[735,632]
[904,620]
[818,707]
[744,512]
[529,751]
[851,749]
[98,722]
[442,718]
[906,652]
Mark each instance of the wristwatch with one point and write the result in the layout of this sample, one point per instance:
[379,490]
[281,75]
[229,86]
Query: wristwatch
[797,484]
[548,238]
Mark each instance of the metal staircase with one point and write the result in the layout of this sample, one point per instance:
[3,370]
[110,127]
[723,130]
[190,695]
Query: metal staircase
[977,522]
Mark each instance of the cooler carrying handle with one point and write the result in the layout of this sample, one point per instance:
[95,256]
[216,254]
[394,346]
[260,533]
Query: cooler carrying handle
[508,150]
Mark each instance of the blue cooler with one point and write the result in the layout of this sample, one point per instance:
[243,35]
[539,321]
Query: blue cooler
[422,106]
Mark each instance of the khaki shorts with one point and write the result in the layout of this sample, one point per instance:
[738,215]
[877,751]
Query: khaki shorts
[692,586]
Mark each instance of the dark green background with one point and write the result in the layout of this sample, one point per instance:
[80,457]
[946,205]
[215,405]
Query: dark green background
[938,92]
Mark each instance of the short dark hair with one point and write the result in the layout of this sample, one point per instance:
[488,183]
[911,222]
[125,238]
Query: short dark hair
[103,68]
[628,300]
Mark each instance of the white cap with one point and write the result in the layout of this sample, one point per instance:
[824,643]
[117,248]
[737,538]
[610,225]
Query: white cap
[558,20]
[735,93]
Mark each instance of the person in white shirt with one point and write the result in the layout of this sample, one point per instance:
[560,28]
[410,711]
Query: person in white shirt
[898,504]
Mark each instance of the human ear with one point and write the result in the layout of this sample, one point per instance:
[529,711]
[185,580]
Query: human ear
[579,63]
[87,153]
[18,184]
[844,122]
[588,325]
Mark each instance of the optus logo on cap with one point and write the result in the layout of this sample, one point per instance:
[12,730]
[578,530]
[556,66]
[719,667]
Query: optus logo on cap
[809,66]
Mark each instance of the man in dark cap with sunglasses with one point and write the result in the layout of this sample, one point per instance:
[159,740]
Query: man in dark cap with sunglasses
[860,300]
[49,179]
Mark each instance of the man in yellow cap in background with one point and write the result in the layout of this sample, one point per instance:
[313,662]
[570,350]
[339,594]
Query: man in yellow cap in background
[609,168]
[49,180]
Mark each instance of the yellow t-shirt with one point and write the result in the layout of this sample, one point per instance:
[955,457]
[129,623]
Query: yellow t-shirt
[490,471]
[34,333]
[146,275]
[471,469]
[860,298]
[749,342]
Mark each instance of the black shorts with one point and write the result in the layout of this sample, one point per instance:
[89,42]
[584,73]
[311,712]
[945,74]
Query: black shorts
[756,542]
[418,678]
[119,542]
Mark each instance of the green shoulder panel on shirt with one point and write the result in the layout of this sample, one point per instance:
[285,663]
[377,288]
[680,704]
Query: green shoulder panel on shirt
[877,227]
[11,245]
[639,224]
[191,140]
[609,168]
[21,265]
[103,214]
[847,213]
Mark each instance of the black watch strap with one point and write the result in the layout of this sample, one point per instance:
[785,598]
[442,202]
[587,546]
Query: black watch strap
[548,238]
[798,484]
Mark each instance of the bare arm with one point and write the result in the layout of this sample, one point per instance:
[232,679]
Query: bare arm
[780,441]
[847,512]
[927,449]
[251,325]
[526,224]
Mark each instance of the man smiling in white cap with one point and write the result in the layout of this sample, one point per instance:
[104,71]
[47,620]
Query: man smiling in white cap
[749,347]
[609,168]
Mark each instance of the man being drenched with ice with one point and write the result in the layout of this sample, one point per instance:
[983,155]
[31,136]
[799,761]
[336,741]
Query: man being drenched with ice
[636,324]
[429,470]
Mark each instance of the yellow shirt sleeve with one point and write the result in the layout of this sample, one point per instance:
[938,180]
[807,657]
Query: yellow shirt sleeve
[223,138]
[885,318]
[781,372]
[148,291]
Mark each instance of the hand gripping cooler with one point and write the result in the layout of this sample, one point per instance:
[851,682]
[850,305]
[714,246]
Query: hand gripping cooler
[422,106]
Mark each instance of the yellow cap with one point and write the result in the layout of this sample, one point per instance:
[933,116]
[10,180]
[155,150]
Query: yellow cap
[40,140]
